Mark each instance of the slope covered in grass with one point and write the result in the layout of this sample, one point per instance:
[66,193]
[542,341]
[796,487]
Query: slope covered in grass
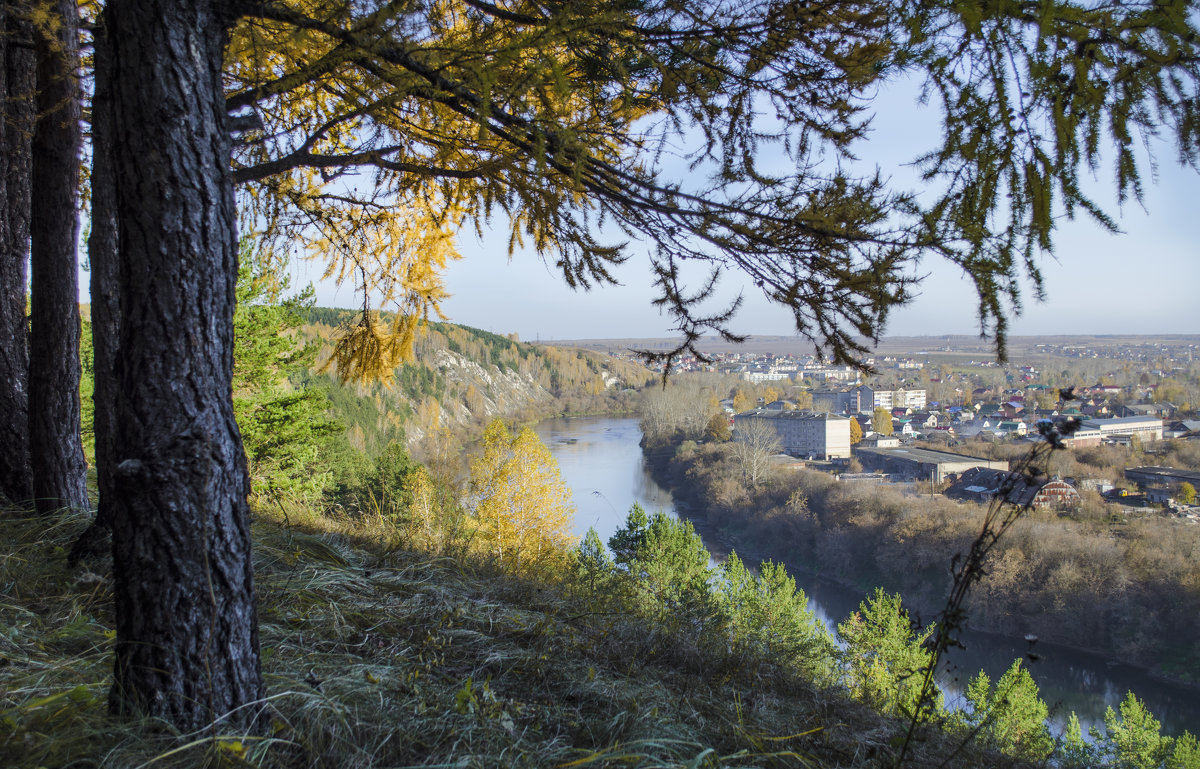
[380,657]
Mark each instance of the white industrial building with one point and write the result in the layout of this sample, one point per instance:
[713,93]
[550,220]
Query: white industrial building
[1145,429]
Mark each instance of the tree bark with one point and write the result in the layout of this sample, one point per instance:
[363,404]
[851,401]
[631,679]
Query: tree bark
[187,637]
[16,81]
[102,256]
[56,449]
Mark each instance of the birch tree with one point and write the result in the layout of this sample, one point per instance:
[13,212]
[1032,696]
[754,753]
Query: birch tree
[520,502]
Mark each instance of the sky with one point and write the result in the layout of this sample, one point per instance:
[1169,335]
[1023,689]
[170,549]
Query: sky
[1143,280]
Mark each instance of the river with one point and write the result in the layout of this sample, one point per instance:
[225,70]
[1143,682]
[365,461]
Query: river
[601,462]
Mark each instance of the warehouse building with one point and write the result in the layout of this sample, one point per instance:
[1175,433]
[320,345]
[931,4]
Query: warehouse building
[912,464]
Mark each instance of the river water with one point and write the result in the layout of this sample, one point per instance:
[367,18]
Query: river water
[601,462]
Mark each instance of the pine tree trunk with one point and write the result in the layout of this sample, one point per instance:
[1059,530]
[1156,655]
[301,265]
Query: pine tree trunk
[16,81]
[102,257]
[56,449]
[187,637]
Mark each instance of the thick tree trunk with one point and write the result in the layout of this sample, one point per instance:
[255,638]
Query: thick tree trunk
[56,450]
[16,81]
[102,256]
[187,637]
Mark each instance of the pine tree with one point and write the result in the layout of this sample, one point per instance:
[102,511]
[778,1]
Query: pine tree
[626,542]
[286,429]
[669,565]
[1075,751]
[768,614]
[56,450]
[1185,754]
[884,656]
[17,116]
[1134,739]
[594,567]
[1012,716]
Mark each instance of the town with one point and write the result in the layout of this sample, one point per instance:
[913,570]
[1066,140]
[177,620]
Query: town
[952,418]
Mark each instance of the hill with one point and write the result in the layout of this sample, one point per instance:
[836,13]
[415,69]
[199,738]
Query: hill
[462,376]
[376,656]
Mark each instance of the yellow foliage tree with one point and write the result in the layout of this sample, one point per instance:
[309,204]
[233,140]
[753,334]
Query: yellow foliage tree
[856,433]
[521,505]
[881,421]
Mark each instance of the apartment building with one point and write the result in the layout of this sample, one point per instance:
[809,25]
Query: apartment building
[871,398]
[802,433]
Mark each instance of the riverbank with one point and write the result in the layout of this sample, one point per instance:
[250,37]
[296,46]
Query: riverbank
[603,463]
[1047,581]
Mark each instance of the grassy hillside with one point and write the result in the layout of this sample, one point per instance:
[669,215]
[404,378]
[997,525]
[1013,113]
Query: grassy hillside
[376,656]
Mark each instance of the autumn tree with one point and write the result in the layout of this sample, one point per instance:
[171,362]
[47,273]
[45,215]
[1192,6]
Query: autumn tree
[718,429]
[881,421]
[856,432]
[1186,494]
[742,402]
[520,503]
[755,442]
[547,120]
[682,410]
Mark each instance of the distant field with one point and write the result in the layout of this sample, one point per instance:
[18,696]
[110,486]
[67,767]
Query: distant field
[931,347]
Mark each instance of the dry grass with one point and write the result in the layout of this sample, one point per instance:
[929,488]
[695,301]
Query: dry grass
[379,657]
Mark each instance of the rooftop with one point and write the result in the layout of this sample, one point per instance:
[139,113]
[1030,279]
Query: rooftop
[926,455]
[1173,473]
[765,413]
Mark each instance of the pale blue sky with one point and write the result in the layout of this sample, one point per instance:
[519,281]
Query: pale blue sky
[1145,280]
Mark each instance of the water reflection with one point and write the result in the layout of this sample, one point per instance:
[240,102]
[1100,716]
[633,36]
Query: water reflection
[601,462]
